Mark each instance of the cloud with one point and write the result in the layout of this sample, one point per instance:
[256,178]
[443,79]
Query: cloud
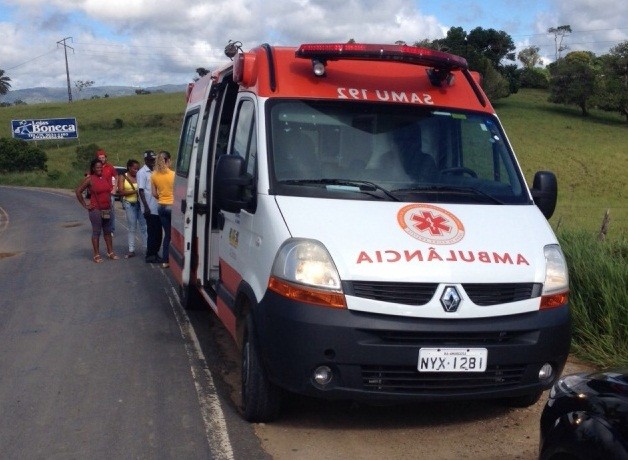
[151,42]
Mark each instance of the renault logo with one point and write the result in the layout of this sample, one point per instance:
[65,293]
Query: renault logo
[450,300]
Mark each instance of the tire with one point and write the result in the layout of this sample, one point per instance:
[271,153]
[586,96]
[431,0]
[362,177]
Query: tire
[524,400]
[261,400]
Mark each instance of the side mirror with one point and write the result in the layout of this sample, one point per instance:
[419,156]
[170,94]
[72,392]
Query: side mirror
[233,185]
[545,192]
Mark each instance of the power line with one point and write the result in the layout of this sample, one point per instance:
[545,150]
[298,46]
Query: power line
[32,59]
[586,31]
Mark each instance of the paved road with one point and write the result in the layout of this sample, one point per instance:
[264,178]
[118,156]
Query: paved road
[99,360]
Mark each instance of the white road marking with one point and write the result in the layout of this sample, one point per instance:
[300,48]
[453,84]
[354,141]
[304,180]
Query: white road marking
[4,220]
[211,410]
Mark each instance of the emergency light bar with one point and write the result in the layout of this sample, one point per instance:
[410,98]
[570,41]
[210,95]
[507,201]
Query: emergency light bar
[401,53]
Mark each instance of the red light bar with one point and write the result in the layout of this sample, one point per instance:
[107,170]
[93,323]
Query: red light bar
[401,53]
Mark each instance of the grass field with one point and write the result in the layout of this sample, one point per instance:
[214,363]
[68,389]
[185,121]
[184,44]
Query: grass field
[589,155]
[124,127]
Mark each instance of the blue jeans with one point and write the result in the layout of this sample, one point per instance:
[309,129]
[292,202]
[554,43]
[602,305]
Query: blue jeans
[165,215]
[134,220]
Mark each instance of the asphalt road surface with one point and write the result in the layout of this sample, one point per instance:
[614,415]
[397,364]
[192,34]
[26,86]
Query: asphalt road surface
[98,361]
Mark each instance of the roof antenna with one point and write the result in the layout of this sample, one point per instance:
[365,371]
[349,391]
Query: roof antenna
[232,49]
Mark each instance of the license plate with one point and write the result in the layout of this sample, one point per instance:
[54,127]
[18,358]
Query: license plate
[452,359]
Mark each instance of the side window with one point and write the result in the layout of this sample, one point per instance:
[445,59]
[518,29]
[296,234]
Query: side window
[245,139]
[187,143]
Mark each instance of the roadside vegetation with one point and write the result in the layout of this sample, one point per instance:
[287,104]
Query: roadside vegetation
[588,155]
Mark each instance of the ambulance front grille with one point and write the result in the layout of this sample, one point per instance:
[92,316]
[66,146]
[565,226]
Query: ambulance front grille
[483,294]
[403,293]
[494,294]
[406,379]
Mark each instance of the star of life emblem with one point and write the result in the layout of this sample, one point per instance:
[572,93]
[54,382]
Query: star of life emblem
[430,224]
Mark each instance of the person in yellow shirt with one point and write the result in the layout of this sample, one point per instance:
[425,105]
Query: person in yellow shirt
[128,190]
[162,187]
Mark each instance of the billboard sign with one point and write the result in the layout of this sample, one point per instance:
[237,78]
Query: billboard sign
[47,129]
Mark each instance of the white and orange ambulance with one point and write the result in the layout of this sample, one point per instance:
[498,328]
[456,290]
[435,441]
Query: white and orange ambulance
[356,217]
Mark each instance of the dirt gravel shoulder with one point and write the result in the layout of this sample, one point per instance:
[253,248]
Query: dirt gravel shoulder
[473,430]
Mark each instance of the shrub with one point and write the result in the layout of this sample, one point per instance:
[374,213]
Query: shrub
[54,175]
[17,155]
[85,154]
[534,78]
[599,297]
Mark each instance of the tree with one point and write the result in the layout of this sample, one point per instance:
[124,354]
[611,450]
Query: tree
[529,56]
[82,84]
[613,80]
[573,80]
[493,83]
[484,49]
[559,34]
[4,83]
[534,78]
[202,71]
[492,44]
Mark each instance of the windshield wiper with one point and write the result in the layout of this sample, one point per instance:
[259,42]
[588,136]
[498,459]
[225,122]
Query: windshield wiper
[362,185]
[452,189]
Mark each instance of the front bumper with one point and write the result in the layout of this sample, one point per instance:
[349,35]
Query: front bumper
[375,357]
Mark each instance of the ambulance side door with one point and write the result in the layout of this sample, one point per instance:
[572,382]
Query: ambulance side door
[185,195]
[238,230]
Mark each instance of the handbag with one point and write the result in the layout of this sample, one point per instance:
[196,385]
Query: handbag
[105,214]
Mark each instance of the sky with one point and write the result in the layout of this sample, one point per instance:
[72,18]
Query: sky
[144,43]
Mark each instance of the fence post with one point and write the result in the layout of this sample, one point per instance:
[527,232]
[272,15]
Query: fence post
[601,236]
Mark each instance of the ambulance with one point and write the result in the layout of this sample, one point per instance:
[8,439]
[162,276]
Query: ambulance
[355,216]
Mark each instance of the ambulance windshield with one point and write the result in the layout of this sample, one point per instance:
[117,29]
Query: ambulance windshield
[340,149]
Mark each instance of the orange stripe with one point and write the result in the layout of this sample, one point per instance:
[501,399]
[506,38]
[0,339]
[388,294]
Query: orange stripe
[176,271]
[230,277]
[176,240]
[227,317]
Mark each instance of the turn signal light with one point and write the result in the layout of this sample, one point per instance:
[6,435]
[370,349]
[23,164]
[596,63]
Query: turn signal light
[307,294]
[554,300]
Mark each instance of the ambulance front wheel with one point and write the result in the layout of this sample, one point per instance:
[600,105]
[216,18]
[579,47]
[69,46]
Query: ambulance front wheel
[261,400]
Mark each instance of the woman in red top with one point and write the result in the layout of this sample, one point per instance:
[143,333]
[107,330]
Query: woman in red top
[99,207]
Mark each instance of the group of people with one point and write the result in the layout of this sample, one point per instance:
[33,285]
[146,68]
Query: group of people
[147,194]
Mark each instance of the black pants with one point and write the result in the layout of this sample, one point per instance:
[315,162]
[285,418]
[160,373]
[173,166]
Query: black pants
[153,230]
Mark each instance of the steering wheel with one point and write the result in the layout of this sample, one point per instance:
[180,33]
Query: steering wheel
[460,170]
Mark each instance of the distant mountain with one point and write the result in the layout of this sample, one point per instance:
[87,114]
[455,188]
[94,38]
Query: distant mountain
[40,95]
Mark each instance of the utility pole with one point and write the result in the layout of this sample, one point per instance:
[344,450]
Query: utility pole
[67,69]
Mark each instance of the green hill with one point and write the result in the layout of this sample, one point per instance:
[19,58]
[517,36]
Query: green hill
[589,155]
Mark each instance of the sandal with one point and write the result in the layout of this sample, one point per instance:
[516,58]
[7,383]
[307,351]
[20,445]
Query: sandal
[113,256]
[130,254]
[98,259]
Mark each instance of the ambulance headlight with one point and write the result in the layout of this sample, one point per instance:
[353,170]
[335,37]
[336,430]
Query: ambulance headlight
[556,286]
[304,271]
[306,262]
